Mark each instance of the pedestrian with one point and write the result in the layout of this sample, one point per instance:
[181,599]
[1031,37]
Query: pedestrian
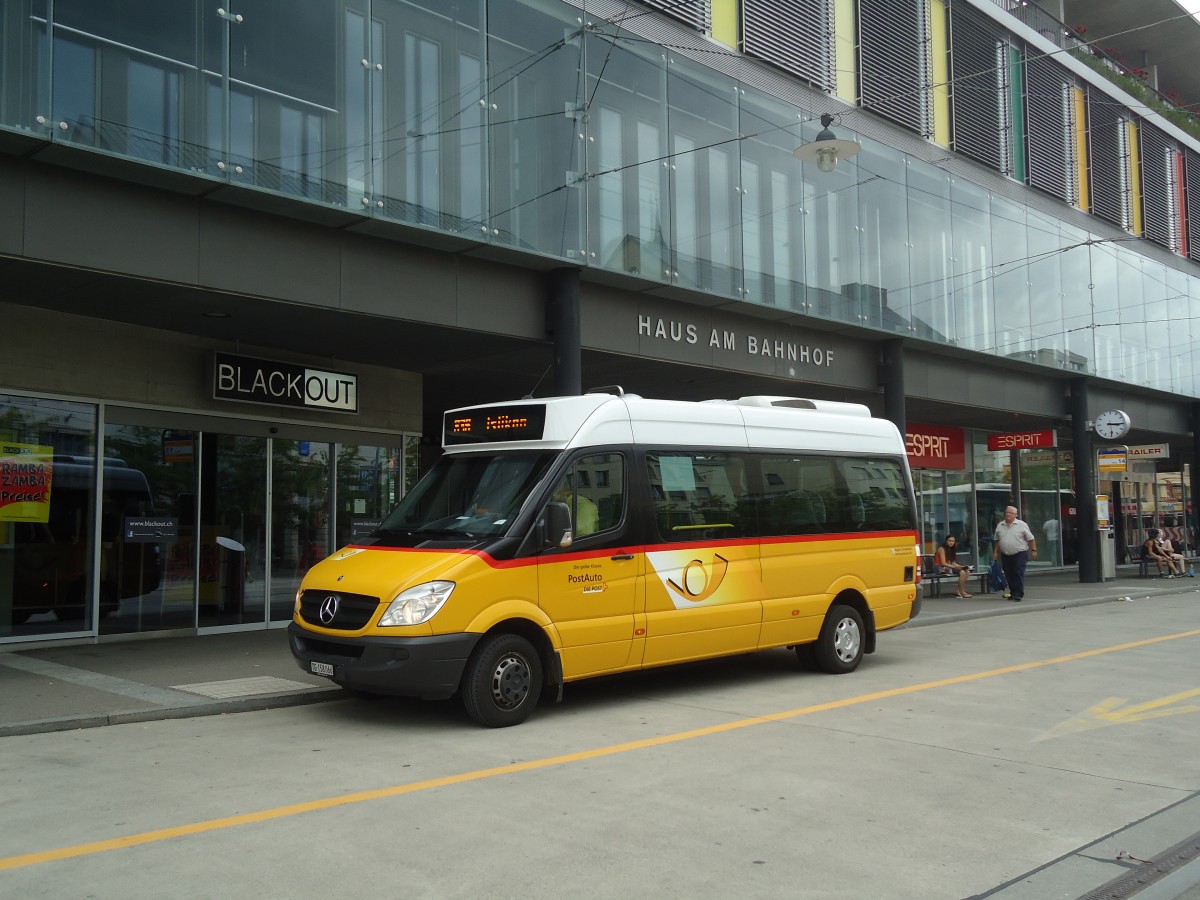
[946,561]
[1014,543]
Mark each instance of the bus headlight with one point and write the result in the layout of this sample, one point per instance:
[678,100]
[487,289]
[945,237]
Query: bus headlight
[417,604]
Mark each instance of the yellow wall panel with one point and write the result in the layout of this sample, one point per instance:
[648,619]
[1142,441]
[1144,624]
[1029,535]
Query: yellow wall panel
[725,21]
[1135,178]
[940,72]
[1081,149]
[845,55]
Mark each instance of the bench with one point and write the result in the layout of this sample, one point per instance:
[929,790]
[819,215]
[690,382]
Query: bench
[933,578]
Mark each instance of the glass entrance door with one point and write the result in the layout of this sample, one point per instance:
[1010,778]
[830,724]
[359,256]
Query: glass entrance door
[213,529]
[233,530]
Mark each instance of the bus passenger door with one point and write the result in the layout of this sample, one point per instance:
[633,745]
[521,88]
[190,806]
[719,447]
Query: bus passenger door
[703,581]
[593,589]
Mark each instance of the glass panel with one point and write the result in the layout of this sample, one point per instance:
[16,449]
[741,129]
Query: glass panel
[1131,295]
[700,496]
[284,63]
[24,65]
[702,117]
[1045,294]
[1043,508]
[1076,280]
[150,477]
[233,478]
[831,236]
[931,252]
[626,147]
[428,111]
[300,537]
[1010,286]
[535,57]
[772,202]
[125,73]
[971,261]
[884,293]
[594,490]
[47,516]
[1105,310]
[370,481]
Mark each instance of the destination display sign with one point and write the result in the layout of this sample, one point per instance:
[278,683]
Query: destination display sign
[495,423]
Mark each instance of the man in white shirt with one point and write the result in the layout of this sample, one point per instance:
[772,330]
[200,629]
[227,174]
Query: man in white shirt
[1013,545]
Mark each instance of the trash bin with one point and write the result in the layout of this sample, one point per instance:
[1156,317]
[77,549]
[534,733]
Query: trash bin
[1108,554]
[233,576]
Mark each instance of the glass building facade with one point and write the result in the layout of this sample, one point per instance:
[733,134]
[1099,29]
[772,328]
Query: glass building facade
[528,125]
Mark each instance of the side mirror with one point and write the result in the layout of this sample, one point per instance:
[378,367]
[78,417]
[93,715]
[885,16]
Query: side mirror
[557,526]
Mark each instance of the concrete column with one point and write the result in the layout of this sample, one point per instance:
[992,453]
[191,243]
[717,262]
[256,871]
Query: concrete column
[1190,518]
[562,322]
[1085,485]
[891,379]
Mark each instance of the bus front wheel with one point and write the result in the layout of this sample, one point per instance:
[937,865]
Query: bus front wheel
[503,681]
[839,649]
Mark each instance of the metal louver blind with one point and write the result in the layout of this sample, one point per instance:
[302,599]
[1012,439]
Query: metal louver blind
[1051,143]
[1191,175]
[1158,179]
[894,61]
[977,63]
[697,13]
[1106,154]
[795,35]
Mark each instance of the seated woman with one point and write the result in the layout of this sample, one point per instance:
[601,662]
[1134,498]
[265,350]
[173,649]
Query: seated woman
[1154,553]
[947,564]
[1176,560]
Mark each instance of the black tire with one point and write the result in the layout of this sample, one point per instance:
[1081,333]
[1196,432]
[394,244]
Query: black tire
[839,649]
[502,682]
[806,657]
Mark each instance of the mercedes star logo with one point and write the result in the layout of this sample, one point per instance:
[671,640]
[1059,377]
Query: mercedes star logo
[329,608]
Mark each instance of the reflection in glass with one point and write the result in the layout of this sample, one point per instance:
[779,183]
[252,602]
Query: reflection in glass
[626,156]
[884,292]
[535,58]
[300,536]
[702,117]
[149,474]
[47,515]
[233,478]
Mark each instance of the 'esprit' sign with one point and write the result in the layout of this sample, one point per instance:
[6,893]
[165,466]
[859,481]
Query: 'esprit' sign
[934,447]
[1022,440]
[282,384]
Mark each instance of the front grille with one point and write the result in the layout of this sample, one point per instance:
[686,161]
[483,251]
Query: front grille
[330,651]
[353,610]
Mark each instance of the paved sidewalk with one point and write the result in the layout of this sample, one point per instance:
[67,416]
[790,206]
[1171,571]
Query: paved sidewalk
[57,688]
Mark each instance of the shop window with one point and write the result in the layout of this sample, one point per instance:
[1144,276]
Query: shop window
[47,514]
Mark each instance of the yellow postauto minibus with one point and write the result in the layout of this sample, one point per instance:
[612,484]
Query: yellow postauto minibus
[558,539]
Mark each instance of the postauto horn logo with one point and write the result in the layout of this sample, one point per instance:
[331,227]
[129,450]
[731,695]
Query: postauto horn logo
[689,581]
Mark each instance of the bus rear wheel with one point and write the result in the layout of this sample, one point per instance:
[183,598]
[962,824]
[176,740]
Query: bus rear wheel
[503,681]
[839,648]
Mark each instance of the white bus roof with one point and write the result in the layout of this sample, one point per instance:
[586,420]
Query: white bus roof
[560,423]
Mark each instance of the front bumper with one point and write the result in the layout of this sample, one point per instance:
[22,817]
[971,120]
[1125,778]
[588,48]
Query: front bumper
[425,667]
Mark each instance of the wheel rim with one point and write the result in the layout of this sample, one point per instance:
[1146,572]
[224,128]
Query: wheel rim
[846,640]
[510,681]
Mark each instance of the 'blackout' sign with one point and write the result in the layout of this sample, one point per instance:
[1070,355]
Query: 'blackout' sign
[282,384]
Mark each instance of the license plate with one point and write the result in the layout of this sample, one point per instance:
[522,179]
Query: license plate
[320,668]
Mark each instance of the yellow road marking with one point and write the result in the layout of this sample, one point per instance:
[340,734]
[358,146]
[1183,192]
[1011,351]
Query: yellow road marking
[1111,712]
[280,812]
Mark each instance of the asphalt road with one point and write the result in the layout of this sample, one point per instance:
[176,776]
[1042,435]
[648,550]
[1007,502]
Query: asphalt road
[1029,756]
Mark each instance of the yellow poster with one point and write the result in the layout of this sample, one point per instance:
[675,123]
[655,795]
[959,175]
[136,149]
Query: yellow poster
[26,475]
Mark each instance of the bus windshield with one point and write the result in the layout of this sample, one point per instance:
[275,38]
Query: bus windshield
[469,496]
